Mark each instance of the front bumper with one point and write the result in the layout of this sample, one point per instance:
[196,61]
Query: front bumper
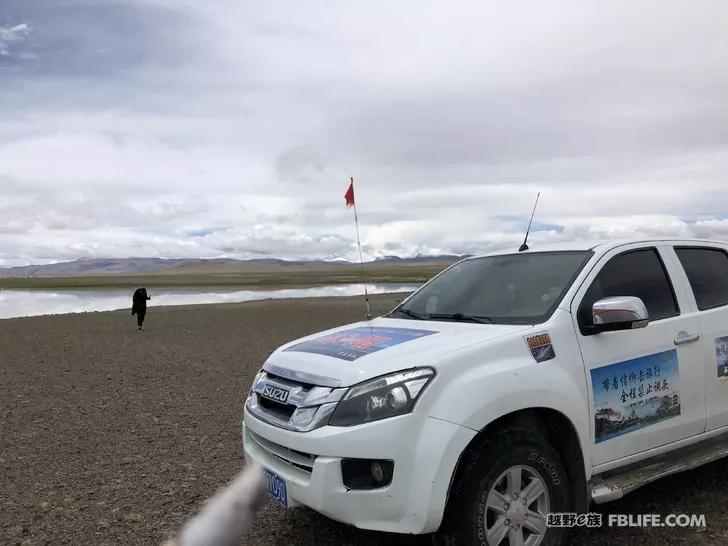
[425,452]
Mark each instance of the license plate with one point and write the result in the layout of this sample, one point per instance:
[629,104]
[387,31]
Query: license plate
[275,486]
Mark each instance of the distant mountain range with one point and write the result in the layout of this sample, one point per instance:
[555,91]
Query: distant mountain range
[94,266]
[126,266]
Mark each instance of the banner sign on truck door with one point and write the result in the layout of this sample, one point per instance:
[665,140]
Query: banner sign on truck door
[634,394]
[721,357]
[357,342]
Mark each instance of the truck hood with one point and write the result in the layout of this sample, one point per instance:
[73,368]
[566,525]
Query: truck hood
[347,355]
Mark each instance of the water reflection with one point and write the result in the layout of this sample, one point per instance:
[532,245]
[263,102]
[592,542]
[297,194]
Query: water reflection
[27,303]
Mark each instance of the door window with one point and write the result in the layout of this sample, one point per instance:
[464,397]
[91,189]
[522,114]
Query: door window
[707,271]
[637,273]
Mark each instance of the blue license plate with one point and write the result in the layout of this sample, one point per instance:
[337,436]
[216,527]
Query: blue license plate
[275,486]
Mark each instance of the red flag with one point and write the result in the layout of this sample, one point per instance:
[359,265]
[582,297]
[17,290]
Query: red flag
[349,195]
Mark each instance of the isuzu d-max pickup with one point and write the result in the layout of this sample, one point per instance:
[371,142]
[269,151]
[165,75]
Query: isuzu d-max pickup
[511,386]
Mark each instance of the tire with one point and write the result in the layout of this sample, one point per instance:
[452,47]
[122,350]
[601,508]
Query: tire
[482,510]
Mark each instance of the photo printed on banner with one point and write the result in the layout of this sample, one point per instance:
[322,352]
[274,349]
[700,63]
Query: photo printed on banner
[357,342]
[635,393]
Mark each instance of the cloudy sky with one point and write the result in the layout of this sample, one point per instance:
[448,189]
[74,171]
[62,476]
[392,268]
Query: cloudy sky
[183,128]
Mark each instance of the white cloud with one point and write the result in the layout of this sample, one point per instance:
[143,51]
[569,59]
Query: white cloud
[189,128]
[11,35]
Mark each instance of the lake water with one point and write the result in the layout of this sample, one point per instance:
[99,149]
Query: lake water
[28,303]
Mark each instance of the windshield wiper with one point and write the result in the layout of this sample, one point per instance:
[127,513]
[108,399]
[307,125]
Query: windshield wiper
[462,317]
[409,313]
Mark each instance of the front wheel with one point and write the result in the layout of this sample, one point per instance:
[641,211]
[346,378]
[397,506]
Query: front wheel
[505,491]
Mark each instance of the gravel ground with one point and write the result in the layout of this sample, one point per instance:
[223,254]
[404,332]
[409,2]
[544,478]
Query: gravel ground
[113,436]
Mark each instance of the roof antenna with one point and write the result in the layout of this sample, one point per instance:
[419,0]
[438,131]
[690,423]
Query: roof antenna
[524,246]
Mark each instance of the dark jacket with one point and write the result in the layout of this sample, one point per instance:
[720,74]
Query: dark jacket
[139,301]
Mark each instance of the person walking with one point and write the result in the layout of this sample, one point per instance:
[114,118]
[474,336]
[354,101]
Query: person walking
[139,305]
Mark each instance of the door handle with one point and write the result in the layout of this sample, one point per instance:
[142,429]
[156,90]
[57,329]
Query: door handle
[684,337]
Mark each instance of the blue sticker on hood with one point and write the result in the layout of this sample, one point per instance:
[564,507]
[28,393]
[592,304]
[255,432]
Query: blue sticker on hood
[357,342]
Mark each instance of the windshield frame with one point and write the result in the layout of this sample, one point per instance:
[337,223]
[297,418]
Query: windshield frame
[513,320]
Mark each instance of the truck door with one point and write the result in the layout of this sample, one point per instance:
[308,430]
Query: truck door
[706,268]
[646,385]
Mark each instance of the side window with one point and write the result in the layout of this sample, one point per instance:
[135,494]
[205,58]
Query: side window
[637,273]
[707,271]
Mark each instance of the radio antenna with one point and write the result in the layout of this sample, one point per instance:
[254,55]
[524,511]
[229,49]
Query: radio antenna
[524,246]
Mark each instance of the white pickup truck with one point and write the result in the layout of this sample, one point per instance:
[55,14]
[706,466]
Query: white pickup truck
[510,386]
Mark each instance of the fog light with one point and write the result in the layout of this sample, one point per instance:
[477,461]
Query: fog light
[377,472]
[366,473]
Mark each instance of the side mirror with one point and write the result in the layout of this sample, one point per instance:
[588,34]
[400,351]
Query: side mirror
[619,313]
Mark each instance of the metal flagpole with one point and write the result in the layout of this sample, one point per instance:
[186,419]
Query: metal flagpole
[361,259]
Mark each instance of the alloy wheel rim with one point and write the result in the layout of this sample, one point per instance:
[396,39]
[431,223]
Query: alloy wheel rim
[516,508]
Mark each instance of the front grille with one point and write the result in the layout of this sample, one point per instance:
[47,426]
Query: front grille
[298,459]
[307,406]
[281,410]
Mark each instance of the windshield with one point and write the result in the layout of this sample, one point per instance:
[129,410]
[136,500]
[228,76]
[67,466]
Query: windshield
[508,289]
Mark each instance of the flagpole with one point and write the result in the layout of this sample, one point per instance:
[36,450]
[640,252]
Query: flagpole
[361,259]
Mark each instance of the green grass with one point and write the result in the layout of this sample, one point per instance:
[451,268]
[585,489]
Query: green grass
[279,277]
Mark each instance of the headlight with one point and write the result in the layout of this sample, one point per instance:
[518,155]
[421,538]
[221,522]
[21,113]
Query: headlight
[381,398]
[252,385]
